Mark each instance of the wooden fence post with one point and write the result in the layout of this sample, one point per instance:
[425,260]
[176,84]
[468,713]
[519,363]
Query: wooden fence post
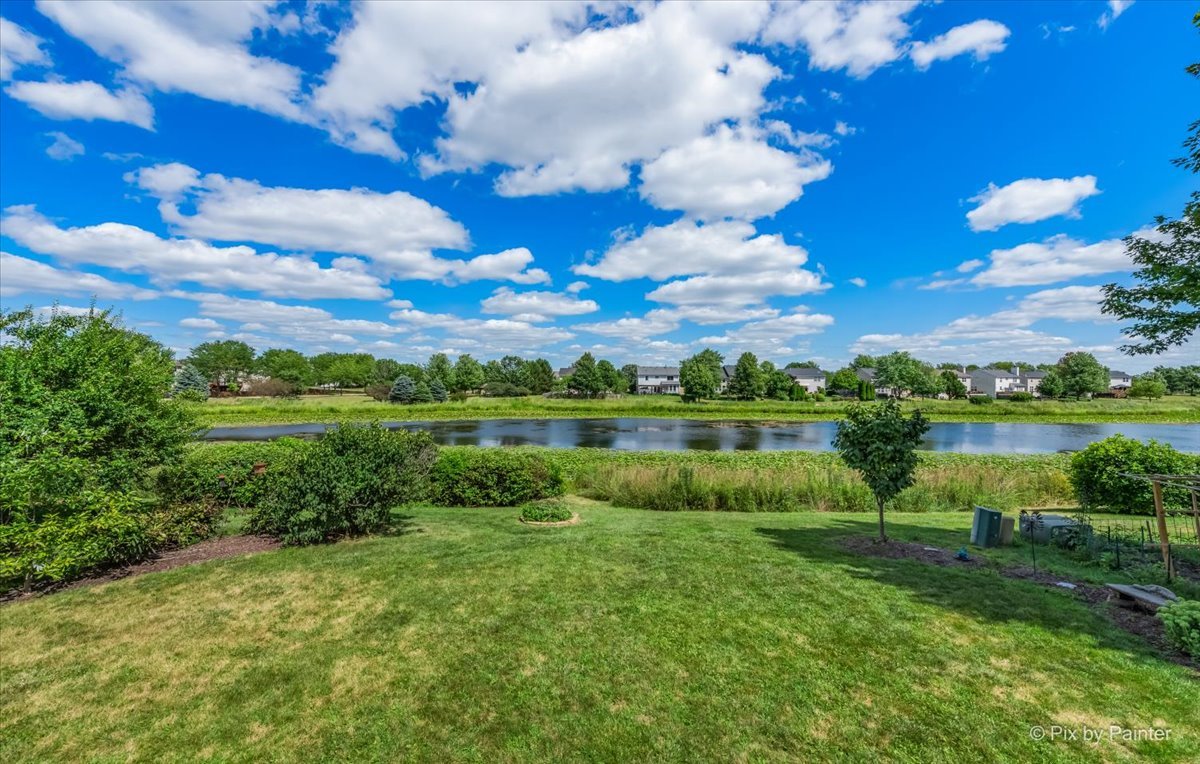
[1196,512]
[1161,515]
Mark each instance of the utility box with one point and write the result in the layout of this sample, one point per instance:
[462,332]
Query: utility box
[1007,524]
[985,530]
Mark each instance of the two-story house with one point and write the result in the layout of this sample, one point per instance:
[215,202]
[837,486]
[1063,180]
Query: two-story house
[1119,380]
[995,383]
[657,380]
[812,380]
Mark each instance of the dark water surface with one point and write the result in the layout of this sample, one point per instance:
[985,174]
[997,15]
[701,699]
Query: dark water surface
[638,434]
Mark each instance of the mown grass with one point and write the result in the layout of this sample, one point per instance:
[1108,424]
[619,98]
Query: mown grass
[631,636]
[335,408]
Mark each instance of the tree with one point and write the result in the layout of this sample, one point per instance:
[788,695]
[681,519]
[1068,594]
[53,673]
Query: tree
[438,391]
[83,406]
[1082,375]
[881,443]
[1183,380]
[440,369]
[777,385]
[611,377]
[190,384]
[386,370]
[866,390]
[863,362]
[1052,385]
[403,389]
[422,393]
[539,376]
[350,369]
[289,366]
[714,362]
[222,363]
[952,385]
[843,379]
[468,374]
[696,379]
[802,365]
[901,372]
[747,381]
[413,371]
[1165,303]
[586,380]
[1148,386]
[629,371]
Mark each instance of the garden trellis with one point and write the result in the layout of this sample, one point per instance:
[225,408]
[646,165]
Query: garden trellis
[1189,482]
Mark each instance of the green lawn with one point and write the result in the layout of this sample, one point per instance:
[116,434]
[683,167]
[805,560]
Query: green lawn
[334,408]
[633,636]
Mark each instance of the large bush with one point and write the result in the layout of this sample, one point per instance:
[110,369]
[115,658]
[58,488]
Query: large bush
[84,418]
[493,478]
[346,484]
[1181,622]
[101,529]
[1096,475]
[225,474]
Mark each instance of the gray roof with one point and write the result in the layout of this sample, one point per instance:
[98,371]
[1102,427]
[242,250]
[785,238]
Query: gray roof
[1115,373]
[658,371]
[804,373]
[1033,374]
[729,370]
[991,372]
[866,373]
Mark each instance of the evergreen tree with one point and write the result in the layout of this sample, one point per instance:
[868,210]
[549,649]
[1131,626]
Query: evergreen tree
[403,390]
[539,376]
[190,384]
[421,393]
[747,382]
[438,391]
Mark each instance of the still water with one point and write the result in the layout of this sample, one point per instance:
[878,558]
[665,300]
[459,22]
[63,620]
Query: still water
[634,434]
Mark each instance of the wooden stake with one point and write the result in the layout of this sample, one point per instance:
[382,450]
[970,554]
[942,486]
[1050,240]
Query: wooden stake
[1196,512]
[1161,515]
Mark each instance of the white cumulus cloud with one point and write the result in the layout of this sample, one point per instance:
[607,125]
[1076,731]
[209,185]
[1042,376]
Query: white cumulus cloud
[1029,200]
[63,147]
[21,275]
[980,38]
[19,47]
[84,100]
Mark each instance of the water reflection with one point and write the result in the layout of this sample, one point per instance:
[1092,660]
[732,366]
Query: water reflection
[630,434]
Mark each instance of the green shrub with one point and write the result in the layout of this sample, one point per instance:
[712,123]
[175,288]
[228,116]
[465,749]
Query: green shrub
[546,511]
[1096,474]
[1020,397]
[100,529]
[980,400]
[494,478]
[346,484]
[175,525]
[1181,622]
[223,473]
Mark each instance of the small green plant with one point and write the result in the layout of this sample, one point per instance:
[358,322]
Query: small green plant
[979,400]
[494,478]
[1020,397]
[546,511]
[1181,622]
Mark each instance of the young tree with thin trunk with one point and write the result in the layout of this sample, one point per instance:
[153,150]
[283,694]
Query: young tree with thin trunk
[881,443]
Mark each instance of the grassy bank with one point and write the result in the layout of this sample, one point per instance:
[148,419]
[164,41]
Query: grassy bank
[333,408]
[633,635]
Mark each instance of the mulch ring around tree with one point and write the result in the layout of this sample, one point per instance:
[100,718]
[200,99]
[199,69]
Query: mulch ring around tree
[1130,618]
[211,549]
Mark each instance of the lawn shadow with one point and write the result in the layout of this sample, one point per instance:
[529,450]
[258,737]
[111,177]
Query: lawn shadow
[979,591]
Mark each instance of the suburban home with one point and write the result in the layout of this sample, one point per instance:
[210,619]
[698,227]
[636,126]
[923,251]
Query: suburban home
[812,380]
[1119,380]
[565,372]
[726,378]
[867,374]
[657,380]
[1002,382]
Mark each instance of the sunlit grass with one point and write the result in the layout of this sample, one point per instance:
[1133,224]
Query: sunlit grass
[634,635]
[332,408]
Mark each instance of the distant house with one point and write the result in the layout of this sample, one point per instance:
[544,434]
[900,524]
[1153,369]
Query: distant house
[812,380]
[565,372]
[867,374]
[657,380]
[1119,380]
[995,383]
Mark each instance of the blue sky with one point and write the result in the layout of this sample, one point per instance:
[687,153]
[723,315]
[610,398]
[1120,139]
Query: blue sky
[800,180]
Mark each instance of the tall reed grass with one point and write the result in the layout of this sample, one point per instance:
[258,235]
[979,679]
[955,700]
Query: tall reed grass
[822,488]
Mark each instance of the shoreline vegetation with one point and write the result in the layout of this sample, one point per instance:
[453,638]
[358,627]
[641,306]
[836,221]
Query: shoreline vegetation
[232,412]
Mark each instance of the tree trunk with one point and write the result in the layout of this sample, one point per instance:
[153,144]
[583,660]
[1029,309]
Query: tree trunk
[882,535]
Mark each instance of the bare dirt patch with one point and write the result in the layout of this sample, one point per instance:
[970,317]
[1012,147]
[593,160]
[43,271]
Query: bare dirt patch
[210,549]
[1128,617]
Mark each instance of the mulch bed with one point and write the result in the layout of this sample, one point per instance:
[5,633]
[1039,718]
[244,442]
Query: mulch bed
[211,549]
[1126,616]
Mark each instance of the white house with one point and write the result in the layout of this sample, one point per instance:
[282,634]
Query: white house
[812,380]
[1119,380]
[657,380]
[997,382]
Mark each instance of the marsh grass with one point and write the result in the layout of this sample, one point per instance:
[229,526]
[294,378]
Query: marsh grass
[827,487]
[338,408]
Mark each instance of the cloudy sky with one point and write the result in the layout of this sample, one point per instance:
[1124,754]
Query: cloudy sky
[804,180]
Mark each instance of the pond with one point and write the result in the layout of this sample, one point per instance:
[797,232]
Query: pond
[637,434]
